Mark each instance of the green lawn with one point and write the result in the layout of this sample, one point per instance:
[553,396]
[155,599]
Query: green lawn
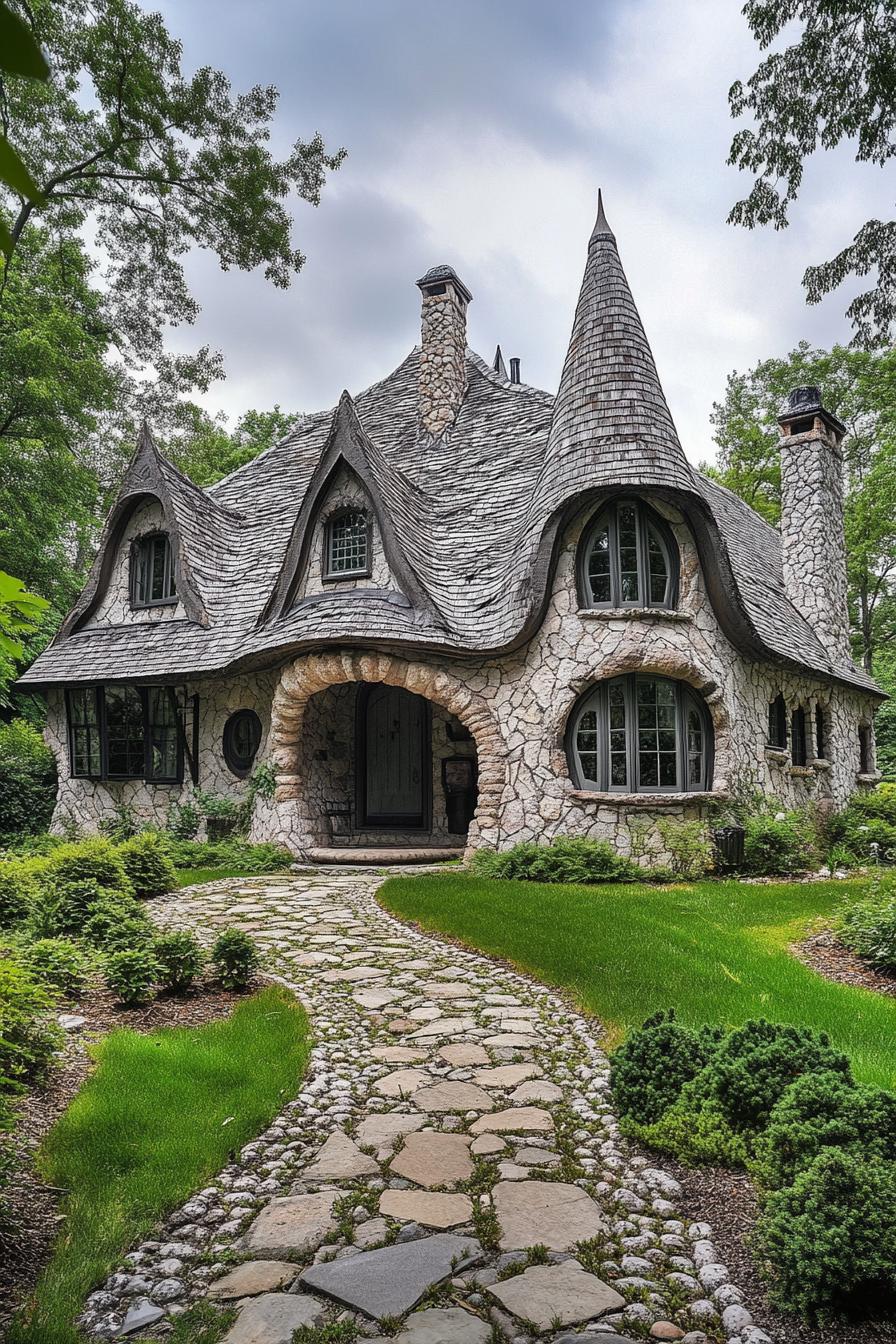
[158,1117]
[715,951]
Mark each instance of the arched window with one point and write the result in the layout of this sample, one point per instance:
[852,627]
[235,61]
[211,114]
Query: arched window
[347,545]
[152,571]
[628,559]
[777,723]
[798,753]
[242,738]
[641,734]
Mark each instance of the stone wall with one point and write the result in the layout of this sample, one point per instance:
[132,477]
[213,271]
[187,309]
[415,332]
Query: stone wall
[346,491]
[115,606]
[88,802]
[443,374]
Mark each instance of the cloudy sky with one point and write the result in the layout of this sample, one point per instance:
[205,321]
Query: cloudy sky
[478,133]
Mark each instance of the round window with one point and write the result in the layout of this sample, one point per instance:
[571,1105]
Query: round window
[242,738]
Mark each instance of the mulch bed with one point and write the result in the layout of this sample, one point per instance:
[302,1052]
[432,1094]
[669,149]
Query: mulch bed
[823,952]
[35,1206]
[727,1201]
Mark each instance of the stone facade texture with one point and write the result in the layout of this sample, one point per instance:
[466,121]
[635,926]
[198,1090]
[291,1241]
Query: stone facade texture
[443,373]
[114,607]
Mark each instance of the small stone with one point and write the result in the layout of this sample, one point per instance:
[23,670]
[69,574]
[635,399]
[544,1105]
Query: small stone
[427,1208]
[537,1157]
[463,1056]
[552,1295]
[139,1317]
[71,1021]
[539,1089]
[665,1330]
[735,1319]
[486,1144]
[371,1232]
[273,1318]
[253,1277]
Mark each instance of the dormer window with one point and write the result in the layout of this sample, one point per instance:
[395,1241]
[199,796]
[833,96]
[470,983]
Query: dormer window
[152,571]
[628,559]
[347,545]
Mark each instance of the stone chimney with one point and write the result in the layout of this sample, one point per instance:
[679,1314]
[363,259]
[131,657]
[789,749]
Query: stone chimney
[813,544]
[443,343]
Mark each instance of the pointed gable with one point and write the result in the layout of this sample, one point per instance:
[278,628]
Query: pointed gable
[611,424]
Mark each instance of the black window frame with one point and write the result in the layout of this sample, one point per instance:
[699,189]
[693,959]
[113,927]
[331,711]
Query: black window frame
[331,575]
[181,715]
[92,725]
[866,750]
[239,765]
[646,519]
[596,698]
[799,753]
[821,732]
[777,723]
[140,548]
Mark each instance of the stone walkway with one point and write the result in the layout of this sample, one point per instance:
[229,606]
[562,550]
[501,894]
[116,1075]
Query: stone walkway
[451,1172]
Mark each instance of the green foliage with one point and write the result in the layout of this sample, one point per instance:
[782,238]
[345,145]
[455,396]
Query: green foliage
[65,906]
[19,892]
[117,923]
[161,1112]
[59,964]
[147,863]
[203,1323]
[652,1066]
[235,958]
[180,960]
[818,1111]
[132,975]
[868,820]
[121,825]
[568,859]
[830,1238]
[847,47]
[205,450]
[776,847]
[754,1065]
[94,860]
[28,1035]
[27,780]
[184,820]
[693,1129]
[233,854]
[867,923]
[690,845]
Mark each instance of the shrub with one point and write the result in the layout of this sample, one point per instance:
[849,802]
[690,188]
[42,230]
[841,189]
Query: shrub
[753,1066]
[652,1066]
[183,821]
[148,864]
[19,893]
[58,964]
[121,825]
[116,924]
[235,855]
[568,859]
[690,846]
[28,1034]
[132,975]
[780,845]
[867,925]
[235,958]
[830,1238]
[27,781]
[823,1110]
[64,907]
[693,1129]
[180,960]
[869,819]
[94,860]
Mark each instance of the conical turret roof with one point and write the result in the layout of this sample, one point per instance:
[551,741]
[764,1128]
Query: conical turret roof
[611,424]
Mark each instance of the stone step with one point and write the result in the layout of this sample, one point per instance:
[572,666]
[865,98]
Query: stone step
[383,855]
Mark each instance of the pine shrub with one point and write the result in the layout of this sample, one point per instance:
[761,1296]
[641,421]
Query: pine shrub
[180,960]
[95,860]
[28,1034]
[117,924]
[235,959]
[59,964]
[27,781]
[148,865]
[19,893]
[570,859]
[651,1067]
[754,1065]
[132,975]
[693,1129]
[829,1239]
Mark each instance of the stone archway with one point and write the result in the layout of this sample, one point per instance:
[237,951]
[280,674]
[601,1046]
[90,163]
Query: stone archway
[305,677]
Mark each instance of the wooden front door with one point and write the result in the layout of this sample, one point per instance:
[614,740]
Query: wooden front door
[393,757]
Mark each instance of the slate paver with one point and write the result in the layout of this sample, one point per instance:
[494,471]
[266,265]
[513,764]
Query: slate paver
[428,1159]
[453,1097]
[292,1223]
[546,1213]
[391,1281]
[516,1120]
[273,1318]
[340,1159]
[426,1207]
[552,1295]
[444,1325]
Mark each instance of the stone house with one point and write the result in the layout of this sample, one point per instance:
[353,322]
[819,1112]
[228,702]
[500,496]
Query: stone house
[460,611]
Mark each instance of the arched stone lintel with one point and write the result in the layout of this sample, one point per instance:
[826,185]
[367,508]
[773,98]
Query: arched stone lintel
[306,676]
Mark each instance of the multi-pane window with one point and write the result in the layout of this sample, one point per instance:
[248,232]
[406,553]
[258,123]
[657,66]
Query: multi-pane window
[131,732]
[152,571]
[629,559]
[821,742]
[798,736]
[777,723]
[84,732]
[242,738]
[641,734]
[348,544]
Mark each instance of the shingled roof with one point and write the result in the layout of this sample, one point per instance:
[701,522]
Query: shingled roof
[470,520]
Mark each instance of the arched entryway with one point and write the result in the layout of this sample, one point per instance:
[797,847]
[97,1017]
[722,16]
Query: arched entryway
[371,749]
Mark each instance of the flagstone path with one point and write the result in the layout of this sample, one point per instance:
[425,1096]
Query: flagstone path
[450,1173]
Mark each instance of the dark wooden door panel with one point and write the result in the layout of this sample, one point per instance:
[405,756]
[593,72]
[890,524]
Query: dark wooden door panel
[394,725]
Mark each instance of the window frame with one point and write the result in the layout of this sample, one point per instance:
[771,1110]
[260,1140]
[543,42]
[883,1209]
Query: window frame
[596,698]
[799,744]
[646,518]
[236,764]
[180,712]
[820,732]
[140,546]
[331,575]
[777,739]
[96,727]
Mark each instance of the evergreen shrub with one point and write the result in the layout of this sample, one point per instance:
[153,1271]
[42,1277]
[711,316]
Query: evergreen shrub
[132,975]
[651,1067]
[147,863]
[59,964]
[235,959]
[19,892]
[571,859]
[27,781]
[779,846]
[180,960]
